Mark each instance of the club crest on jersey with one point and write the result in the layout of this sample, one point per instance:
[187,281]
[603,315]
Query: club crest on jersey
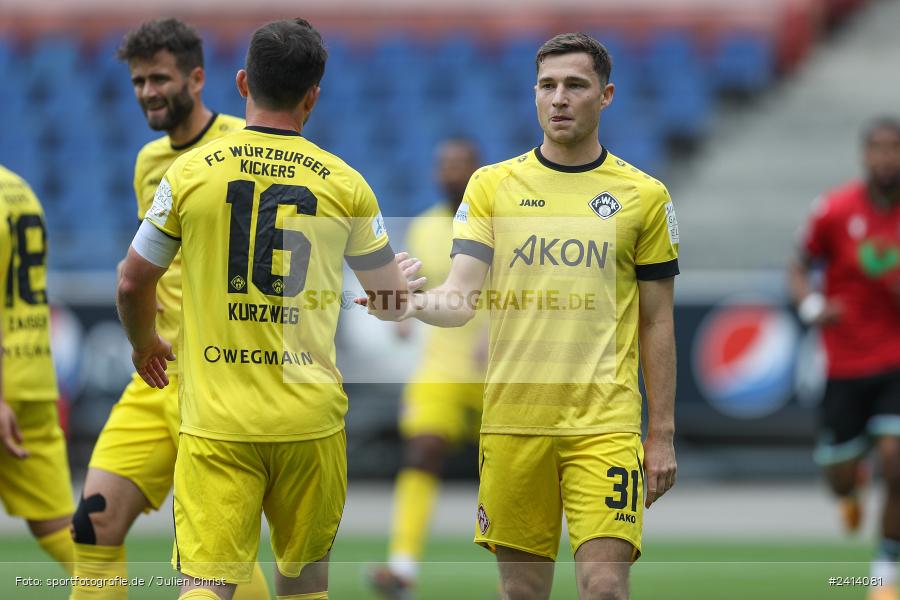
[483,521]
[238,283]
[462,213]
[604,205]
[162,203]
[378,228]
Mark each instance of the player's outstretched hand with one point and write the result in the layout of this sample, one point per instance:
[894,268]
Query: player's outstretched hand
[410,267]
[659,466]
[150,362]
[9,431]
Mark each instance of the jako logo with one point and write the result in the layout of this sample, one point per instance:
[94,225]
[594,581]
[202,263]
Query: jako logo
[571,252]
[744,357]
[532,202]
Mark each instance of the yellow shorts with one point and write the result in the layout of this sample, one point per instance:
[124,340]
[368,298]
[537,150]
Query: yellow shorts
[140,438]
[222,487]
[527,481]
[449,410]
[39,487]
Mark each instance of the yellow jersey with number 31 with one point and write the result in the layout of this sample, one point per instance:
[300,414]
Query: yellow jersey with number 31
[27,369]
[266,219]
[566,246]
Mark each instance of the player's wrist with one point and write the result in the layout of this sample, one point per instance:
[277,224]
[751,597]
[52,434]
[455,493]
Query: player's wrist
[146,343]
[811,308]
[661,433]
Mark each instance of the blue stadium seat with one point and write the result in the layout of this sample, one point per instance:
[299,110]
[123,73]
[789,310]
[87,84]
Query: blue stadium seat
[679,85]
[743,62]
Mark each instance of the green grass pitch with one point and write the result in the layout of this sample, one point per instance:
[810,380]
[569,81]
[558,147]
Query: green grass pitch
[671,569]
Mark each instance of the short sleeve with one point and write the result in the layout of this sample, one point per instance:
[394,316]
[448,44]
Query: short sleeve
[657,247]
[473,231]
[814,239]
[163,213]
[368,246]
[138,177]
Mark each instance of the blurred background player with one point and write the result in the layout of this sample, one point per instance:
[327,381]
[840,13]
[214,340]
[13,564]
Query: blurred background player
[34,467]
[133,461]
[561,427]
[441,406]
[262,404]
[854,234]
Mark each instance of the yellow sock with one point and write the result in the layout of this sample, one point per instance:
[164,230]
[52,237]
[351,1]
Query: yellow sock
[312,596]
[60,546]
[198,593]
[414,496]
[257,589]
[99,563]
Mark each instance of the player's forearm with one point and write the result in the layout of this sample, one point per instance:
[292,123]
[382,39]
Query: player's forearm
[443,307]
[136,303]
[798,280]
[657,343]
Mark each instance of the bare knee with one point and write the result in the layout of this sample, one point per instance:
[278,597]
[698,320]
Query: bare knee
[524,588]
[842,477]
[108,507]
[426,453]
[524,576]
[889,457]
[603,584]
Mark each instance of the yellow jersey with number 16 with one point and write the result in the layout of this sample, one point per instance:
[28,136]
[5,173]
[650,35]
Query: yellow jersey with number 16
[266,219]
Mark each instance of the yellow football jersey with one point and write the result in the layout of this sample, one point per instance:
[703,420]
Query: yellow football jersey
[150,165]
[567,246]
[27,362]
[449,355]
[265,219]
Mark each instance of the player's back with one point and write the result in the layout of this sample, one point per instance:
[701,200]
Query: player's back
[266,219]
[27,362]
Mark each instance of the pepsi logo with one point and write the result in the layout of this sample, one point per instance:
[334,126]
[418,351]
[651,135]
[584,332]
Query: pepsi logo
[744,358]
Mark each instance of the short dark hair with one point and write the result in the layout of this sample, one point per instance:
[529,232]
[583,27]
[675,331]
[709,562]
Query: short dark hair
[171,34]
[285,59]
[567,43]
[879,124]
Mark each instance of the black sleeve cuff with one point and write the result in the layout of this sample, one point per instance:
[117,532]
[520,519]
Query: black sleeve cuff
[656,271]
[373,260]
[482,252]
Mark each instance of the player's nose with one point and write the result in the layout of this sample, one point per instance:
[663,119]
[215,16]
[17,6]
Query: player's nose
[559,97]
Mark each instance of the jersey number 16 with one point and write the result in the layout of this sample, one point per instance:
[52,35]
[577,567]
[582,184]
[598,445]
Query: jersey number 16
[268,238]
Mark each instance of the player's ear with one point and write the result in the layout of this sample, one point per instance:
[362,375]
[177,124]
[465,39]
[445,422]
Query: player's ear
[312,96]
[608,92]
[196,79]
[241,80]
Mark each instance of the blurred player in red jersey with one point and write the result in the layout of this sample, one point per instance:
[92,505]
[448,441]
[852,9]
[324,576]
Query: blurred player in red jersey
[854,232]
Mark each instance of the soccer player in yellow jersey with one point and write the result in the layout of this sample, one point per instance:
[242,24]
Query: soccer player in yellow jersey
[264,220]
[582,250]
[133,462]
[441,405]
[34,467]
